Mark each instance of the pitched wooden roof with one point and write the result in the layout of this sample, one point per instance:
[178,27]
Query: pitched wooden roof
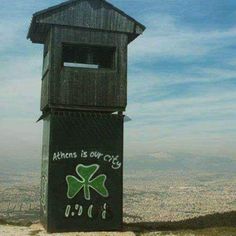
[92,14]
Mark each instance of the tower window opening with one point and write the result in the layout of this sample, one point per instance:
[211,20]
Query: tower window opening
[87,56]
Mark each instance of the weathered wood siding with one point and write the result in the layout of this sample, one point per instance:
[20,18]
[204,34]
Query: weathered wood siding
[45,91]
[80,88]
[46,73]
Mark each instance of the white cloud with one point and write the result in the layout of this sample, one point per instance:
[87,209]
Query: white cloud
[166,37]
[199,125]
[11,34]
[202,138]
[186,111]
[20,86]
[19,104]
[143,82]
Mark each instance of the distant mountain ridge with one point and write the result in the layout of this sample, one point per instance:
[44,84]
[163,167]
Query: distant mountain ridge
[181,162]
[17,166]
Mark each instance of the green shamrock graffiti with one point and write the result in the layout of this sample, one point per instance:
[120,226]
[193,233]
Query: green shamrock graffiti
[86,182]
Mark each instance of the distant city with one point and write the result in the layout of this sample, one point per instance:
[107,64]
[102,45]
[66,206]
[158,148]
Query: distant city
[155,189]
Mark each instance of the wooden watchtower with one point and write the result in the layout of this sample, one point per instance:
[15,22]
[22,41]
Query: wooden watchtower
[84,82]
[85,55]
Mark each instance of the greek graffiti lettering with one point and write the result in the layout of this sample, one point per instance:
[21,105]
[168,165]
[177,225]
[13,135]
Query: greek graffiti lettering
[104,212]
[80,210]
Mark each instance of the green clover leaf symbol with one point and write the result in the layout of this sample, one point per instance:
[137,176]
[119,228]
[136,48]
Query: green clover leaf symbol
[86,182]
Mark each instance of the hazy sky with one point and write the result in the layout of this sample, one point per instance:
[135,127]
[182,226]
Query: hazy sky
[182,78]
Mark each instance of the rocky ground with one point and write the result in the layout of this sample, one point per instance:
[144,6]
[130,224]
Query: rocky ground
[37,230]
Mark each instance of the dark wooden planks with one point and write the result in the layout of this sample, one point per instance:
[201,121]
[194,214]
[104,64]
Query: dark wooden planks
[45,91]
[45,87]
[87,88]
